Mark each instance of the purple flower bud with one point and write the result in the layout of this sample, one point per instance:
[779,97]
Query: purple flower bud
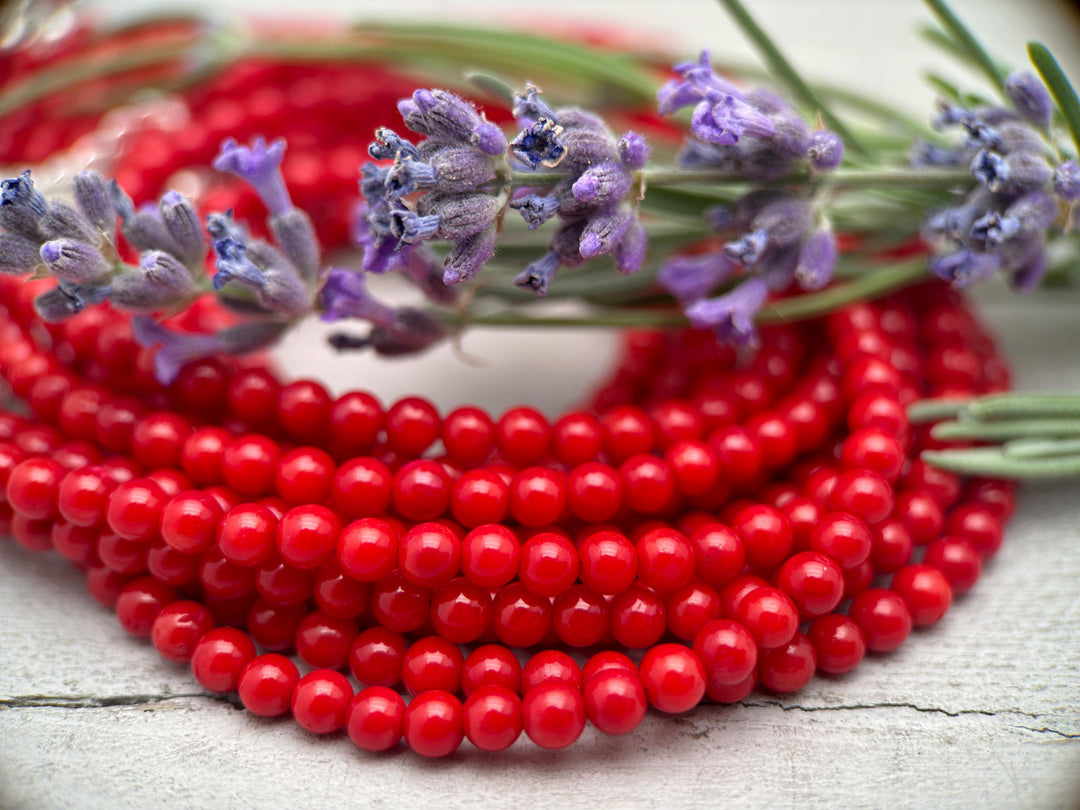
[604,231]
[1027,216]
[780,223]
[19,192]
[459,215]
[602,185]
[389,145]
[440,114]
[488,138]
[538,275]
[791,140]
[723,119]
[282,290]
[965,267]
[63,221]
[675,94]
[566,241]
[458,168]
[817,260]
[1030,98]
[697,79]
[18,256]
[260,166]
[629,254]
[373,182]
[17,220]
[160,282]
[924,153]
[536,210]
[540,144]
[182,221]
[345,295]
[950,114]
[144,229]
[731,316]
[296,235]
[65,300]
[408,175]
[166,271]
[468,255]
[411,228]
[93,198]
[587,139]
[633,150]
[826,151]
[177,349]
[691,278]
[748,248]
[777,266]
[231,248]
[529,106]
[1067,181]
[1030,274]
[122,204]
[1014,173]
[74,262]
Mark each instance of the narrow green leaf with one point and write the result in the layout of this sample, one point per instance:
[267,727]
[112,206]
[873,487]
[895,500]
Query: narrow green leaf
[1041,448]
[1005,429]
[1060,87]
[943,88]
[787,74]
[963,38]
[1026,406]
[991,462]
[492,85]
[933,410]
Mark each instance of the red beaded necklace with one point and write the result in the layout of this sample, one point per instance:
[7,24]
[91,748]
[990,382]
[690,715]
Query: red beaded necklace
[732,525]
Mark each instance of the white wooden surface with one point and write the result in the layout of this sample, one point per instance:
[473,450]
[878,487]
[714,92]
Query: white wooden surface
[981,711]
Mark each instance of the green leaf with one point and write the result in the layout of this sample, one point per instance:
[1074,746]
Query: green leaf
[787,74]
[1060,87]
[1026,406]
[1005,429]
[967,42]
[992,462]
[491,85]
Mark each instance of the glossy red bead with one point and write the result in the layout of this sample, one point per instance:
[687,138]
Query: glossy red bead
[520,618]
[355,421]
[727,650]
[421,490]
[362,487]
[189,522]
[788,668]
[493,718]
[412,424]
[376,655]
[580,617]
[158,439]
[648,483]
[460,610]
[33,487]
[838,642]
[325,641]
[490,665]
[609,562]
[178,628]
[523,436]
[547,666]
[307,536]
[429,555]
[577,438]
[246,534]
[83,496]
[479,497]
[537,496]
[594,492]
[843,537]
[398,604]
[490,555]
[690,608]
[320,700]
[219,657]
[305,475]
[770,615]
[979,524]
[432,663]
[766,536]
[139,603]
[814,582]
[549,564]
[864,493]
[553,714]
[638,617]
[926,592]
[615,701]
[303,409]
[374,718]
[883,617]
[957,559]
[267,683]
[249,465]
[674,678]
[434,724]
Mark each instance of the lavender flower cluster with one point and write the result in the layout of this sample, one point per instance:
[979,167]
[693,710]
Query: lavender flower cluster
[773,238]
[1000,225]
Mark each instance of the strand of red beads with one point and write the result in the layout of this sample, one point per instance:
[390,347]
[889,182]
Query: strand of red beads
[772,516]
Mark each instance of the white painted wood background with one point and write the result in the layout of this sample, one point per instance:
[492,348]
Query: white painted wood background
[981,711]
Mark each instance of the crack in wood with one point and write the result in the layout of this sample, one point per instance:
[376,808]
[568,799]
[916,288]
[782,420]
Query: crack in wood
[108,701]
[1047,730]
[788,707]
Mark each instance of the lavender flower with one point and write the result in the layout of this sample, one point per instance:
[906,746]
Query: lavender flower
[1067,181]
[817,260]
[74,262]
[94,200]
[731,316]
[691,278]
[1030,98]
[259,165]
[65,300]
[826,151]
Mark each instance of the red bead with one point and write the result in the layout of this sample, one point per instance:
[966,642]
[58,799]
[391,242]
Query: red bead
[765,534]
[694,466]
[838,642]
[203,452]
[665,559]
[220,656]
[374,718]
[638,619]
[376,655]
[957,559]
[135,509]
[997,496]
[978,524]
[673,677]
[920,515]
[770,615]
[863,493]
[432,663]
[814,582]
[719,553]
[877,411]
[580,616]
[490,556]
[891,547]
[178,628]
[690,608]
[537,496]
[421,490]
[577,438]
[249,465]
[776,438]
[547,666]
[523,436]
[355,421]
[926,592]
[648,484]
[942,486]
[594,492]
[627,431]
[158,439]
[267,683]
[412,424]
[883,617]
[75,543]
[520,618]
[549,564]
[429,555]
[189,522]
[460,610]
[224,579]
[34,486]
[788,668]
[105,584]
[367,549]
[493,718]
[609,562]
[307,536]
[246,534]
[125,556]
[479,497]
[554,715]
[304,475]
[843,537]
[83,496]
[468,434]
[490,665]
[303,409]
[873,450]
[253,397]
[738,454]
[607,660]
[399,604]
[728,652]
[320,700]
[434,724]
[615,701]
[325,641]
[362,487]
[140,602]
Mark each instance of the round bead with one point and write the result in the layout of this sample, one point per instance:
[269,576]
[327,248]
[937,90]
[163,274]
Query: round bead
[615,701]
[537,496]
[325,641]
[979,524]
[648,484]
[178,628]
[838,642]
[638,619]
[83,496]
[189,522]
[788,668]
[719,553]
[355,421]
[434,724]
[520,618]
[135,509]
[305,475]
[140,602]
[320,700]
[399,604]
[577,438]
[246,534]
[770,615]
[220,656]
[813,581]
[303,409]
[432,663]
[429,555]
[421,490]
[491,665]
[362,487]
[412,424]
[666,559]
[579,617]
[479,497]
[249,465]
[374,718]
[594,492]
[883,617]
[605,660]
[549,564]
[460,610]
[367,549]
[673,677]
[609,562]
[553,714]
[550,665]
[690,608]
[493,718]
[468,434]
[376,655]
[307,536]
[523,436]
[842,537]
[864,493]
[926,592]
[957,559]
[765,534]
[490,556]
[727,650]
[267,683]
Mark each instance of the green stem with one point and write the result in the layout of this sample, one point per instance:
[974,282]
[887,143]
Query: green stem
[1059,84]
[933,410]
[991,462]
[1005,430]
[966,40]
[1013,406]
[672,176]
[1041,448]
[787,74]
